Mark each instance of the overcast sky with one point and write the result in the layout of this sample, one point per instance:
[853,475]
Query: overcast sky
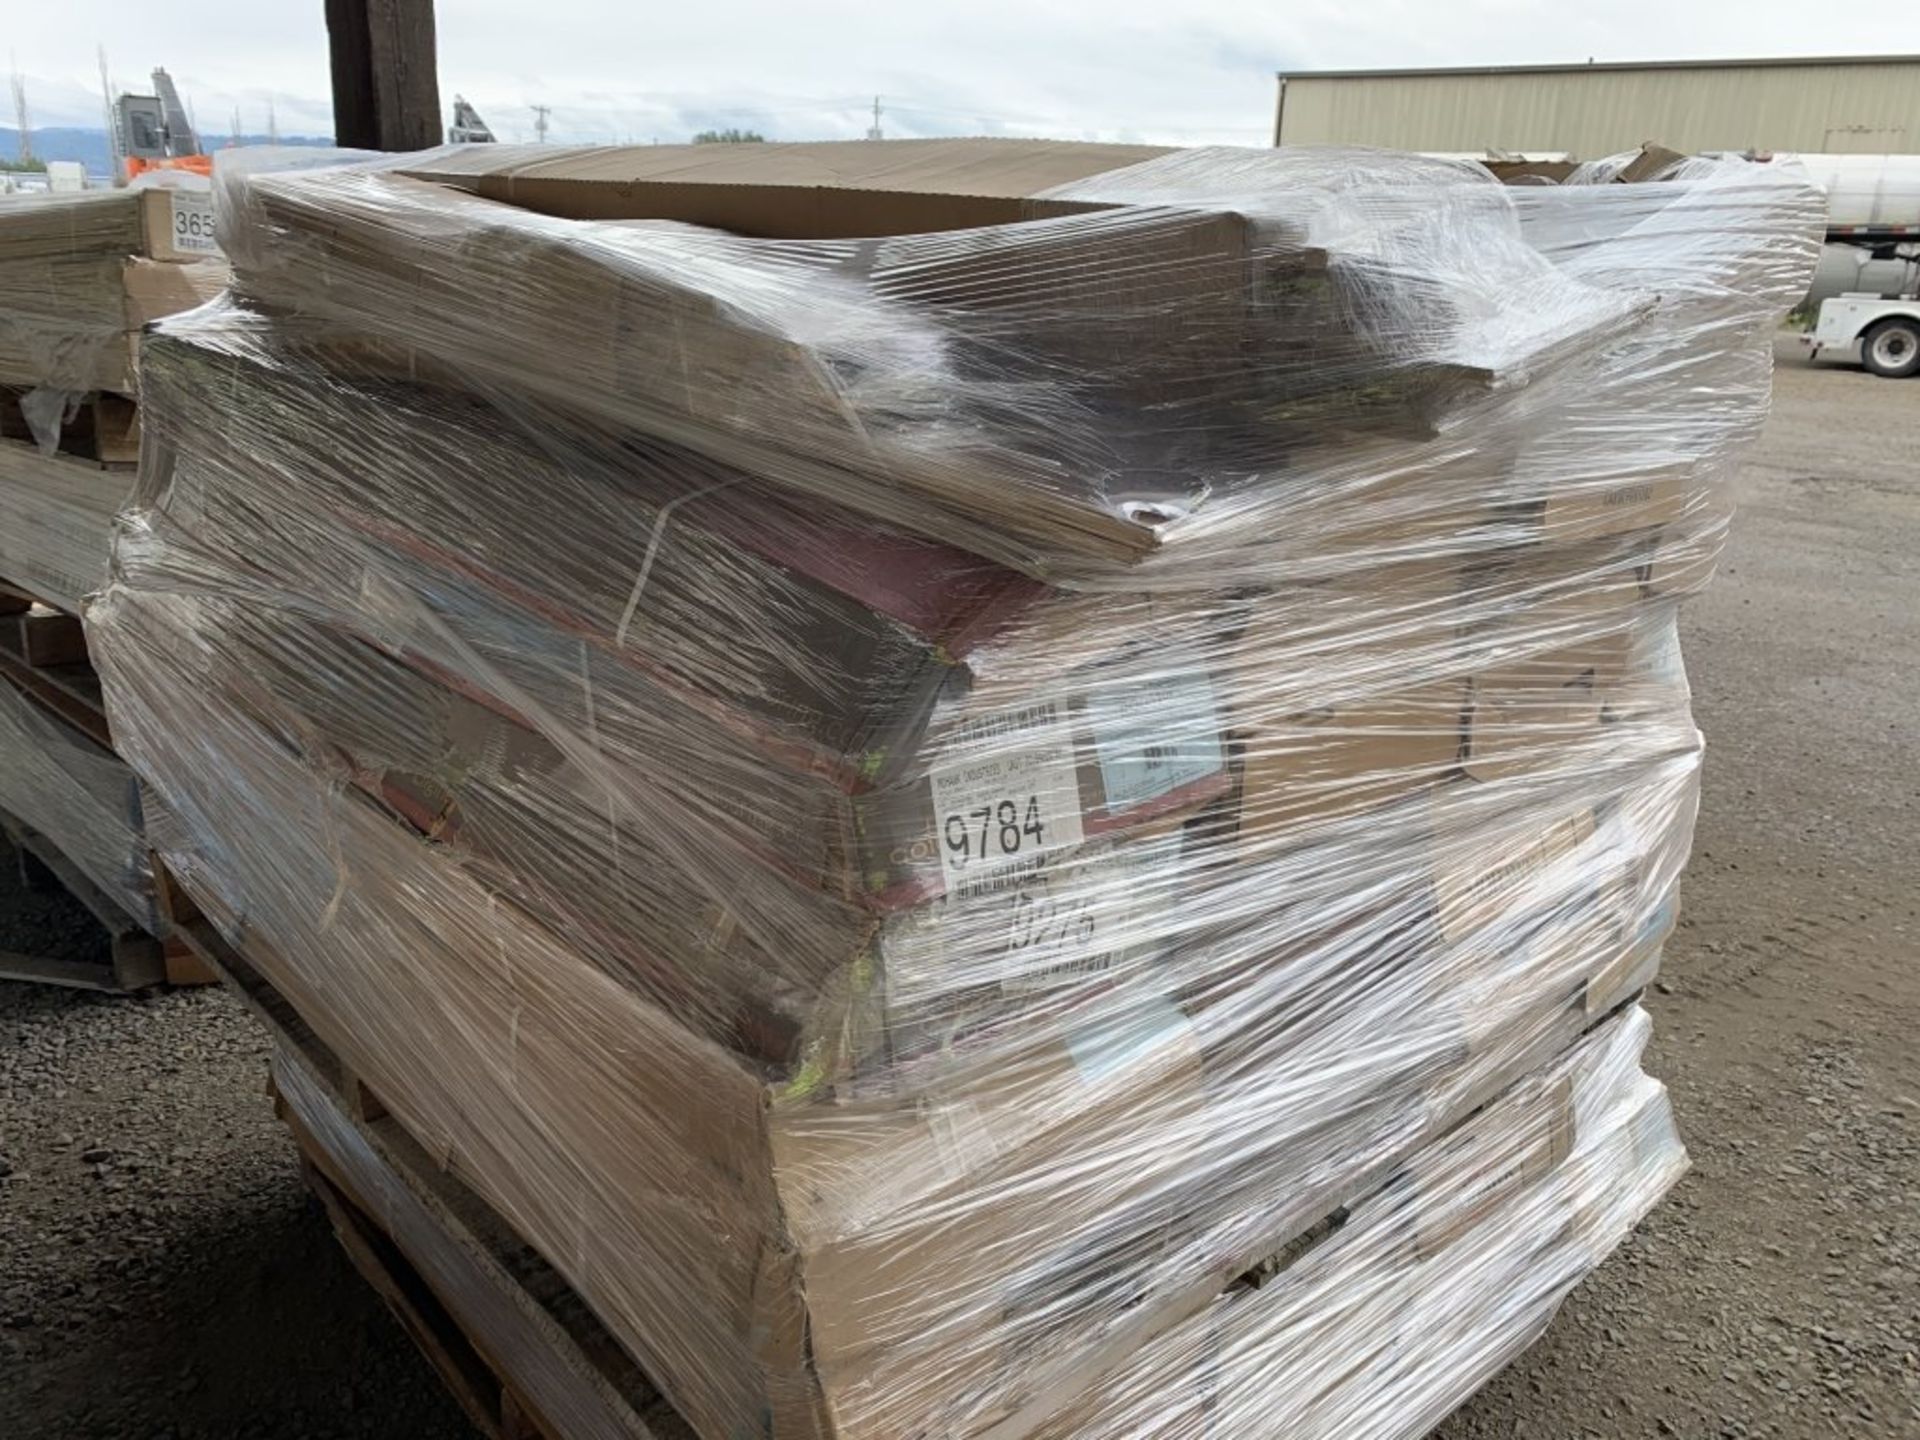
[1174,71]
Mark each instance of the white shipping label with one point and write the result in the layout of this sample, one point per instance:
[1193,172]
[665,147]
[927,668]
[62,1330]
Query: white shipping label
[998,810]
[1155,734]
[1074,920]
[193,223]
[1070,926]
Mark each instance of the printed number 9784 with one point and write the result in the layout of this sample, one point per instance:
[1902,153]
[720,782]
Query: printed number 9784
[995,830]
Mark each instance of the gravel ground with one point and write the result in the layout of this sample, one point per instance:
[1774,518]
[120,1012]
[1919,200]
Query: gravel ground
[163,1274]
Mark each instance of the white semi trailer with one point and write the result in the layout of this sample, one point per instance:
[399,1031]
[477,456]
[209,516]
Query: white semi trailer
[1867,283]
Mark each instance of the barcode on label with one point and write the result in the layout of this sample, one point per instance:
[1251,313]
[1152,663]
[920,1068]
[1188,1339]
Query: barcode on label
[1044,715]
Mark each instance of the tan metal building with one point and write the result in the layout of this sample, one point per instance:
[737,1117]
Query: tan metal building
[1866,104]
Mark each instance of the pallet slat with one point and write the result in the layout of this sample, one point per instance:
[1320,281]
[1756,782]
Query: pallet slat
[49,637]
[433,1331]
[104,427]
[136,960]
[70,691]
[68,974]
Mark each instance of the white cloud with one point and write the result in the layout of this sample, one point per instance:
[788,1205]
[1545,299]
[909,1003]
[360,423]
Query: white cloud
[1199,71]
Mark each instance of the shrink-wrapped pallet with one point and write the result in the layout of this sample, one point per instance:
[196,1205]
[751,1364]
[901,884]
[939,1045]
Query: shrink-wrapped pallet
[913,787]
[81,273]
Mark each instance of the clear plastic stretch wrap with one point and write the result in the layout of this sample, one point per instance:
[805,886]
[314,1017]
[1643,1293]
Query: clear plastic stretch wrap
[56,522]
[77,280]
[80,272]
[81,798]
[62,308]
[912,810]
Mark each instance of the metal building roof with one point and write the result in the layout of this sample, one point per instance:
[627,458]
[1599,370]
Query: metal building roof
[1763,62]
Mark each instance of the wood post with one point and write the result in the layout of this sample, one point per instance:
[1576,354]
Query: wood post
[386,91]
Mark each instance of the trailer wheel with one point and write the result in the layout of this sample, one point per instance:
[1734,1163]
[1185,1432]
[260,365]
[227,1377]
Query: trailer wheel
[1891,349]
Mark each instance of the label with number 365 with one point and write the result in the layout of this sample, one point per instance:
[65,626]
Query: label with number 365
[193,223]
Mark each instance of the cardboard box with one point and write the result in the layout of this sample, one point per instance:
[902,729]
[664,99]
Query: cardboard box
[1552,633]
[56,522]
[161,223]
[155,289]
[1636,962]
[1494,873]
[822,372]
[1491,1162]
[887,1258]
[1620,505]
[70,297]
[1514,731]
[820,641]
[1342,759]
[1464,1252]
[78,797]
[571,1090]
[1678,560]
[1124,743]
[177,224]
[1348,695]
[805,191]
[1651,687]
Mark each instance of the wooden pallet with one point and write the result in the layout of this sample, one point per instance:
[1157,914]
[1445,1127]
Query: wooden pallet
[105,428]
[185,963]
[515,1345]
[41,635]
[136,960]
[43,652]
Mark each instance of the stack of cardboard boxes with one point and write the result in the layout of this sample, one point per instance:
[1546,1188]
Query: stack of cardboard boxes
[916,786]
[80,275]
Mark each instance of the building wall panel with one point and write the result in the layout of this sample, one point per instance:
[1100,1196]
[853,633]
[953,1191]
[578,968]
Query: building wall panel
[1825,107]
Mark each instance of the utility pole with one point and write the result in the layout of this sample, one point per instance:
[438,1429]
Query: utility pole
[21,120]
[540,114]
[113,119]
[273,125]
[873,130]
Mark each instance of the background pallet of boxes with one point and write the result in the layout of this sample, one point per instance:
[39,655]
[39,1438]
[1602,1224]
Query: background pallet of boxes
[982,784]
[80,274]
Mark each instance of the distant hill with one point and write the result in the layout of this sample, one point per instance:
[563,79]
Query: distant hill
[89,147]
